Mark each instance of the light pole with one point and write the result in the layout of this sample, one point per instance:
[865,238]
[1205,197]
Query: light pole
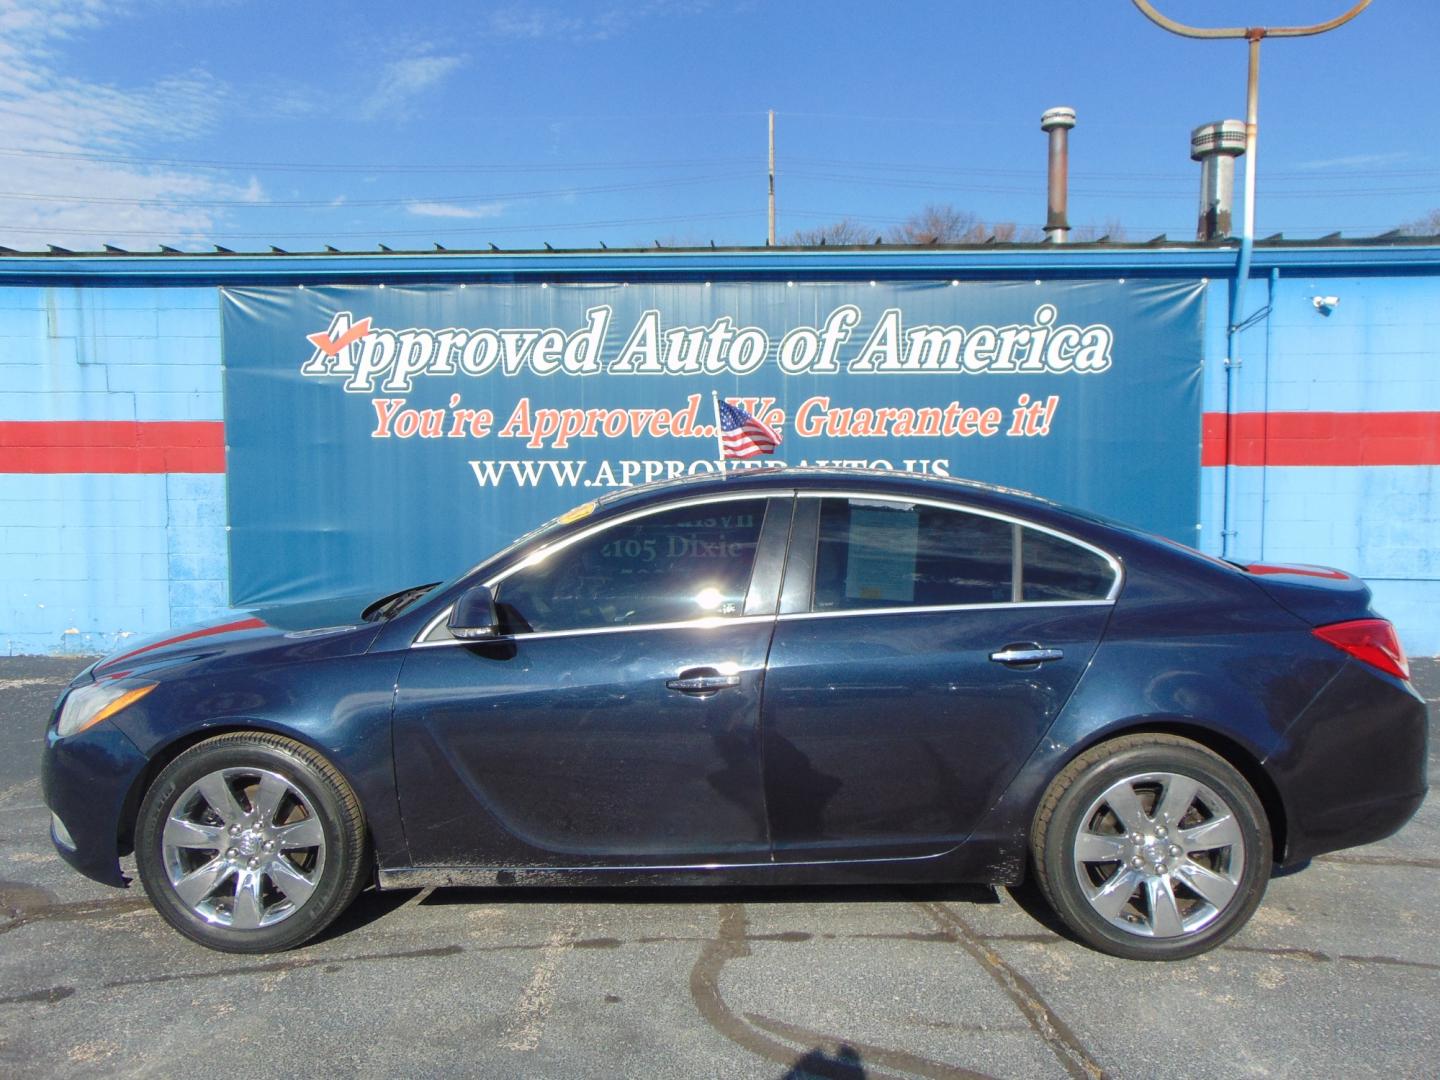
[1254,35]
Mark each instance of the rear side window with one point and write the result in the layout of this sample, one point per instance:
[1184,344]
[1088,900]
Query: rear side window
[1056,569]
[874,554]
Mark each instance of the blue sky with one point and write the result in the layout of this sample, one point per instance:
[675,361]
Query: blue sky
[136,122]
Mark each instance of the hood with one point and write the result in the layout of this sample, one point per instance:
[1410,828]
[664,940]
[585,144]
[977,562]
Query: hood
[332,627]
[1318,594]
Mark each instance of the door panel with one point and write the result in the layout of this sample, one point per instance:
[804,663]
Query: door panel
[616,722]
[889,735]
[572,751]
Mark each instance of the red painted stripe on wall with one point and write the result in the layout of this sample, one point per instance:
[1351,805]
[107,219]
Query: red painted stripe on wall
[198,446]
[112,446]
[1324,438]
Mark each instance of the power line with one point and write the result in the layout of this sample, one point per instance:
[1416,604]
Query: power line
[1319,176]
[1305,175]
[427,231]
[185,202]
[189,236]
[1156,193]
[374,167]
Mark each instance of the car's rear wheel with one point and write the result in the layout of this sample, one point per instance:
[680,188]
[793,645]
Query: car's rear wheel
[1151,847]
[250,843]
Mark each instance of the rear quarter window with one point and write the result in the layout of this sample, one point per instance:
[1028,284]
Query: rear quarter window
[1056,569]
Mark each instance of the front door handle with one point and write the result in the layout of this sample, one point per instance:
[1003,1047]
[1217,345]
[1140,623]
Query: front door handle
[1025,654]
[702,681]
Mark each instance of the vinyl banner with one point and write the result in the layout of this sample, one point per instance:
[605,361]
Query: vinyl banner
[391,435]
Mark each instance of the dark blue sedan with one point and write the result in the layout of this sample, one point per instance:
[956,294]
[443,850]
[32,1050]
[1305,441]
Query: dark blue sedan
[778,677]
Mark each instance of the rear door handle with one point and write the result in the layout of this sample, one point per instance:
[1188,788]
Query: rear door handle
[702,681]
[1020,655]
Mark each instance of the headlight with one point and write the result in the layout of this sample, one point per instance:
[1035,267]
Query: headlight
[87,705]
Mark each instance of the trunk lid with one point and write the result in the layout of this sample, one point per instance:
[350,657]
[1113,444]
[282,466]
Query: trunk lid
[1318,594]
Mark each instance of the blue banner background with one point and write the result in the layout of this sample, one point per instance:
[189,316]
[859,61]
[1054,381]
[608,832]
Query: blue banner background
[317,505]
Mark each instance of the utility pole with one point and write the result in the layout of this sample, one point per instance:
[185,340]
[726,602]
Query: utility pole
[771,234]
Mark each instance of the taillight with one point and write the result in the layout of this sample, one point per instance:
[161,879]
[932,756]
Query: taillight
[1370,640]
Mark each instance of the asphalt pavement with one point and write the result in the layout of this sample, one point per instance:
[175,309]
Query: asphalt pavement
[1338,974]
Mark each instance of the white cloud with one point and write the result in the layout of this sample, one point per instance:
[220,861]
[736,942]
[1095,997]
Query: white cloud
[452,210]
[534,23]
[402,81]
[1356,161]
[542,21]
[68,138]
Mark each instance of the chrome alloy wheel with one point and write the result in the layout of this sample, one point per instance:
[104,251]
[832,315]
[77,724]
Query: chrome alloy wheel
[243,848]
[1159,855]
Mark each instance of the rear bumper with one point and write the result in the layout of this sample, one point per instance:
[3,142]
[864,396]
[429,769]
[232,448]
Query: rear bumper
[86,780]
[1352,768]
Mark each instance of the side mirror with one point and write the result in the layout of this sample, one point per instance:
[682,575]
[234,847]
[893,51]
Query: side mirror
[473,617]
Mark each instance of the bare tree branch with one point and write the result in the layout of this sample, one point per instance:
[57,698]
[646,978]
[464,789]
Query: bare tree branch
[844,231]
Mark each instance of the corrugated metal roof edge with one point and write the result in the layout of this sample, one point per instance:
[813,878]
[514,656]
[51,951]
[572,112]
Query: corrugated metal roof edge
[1391,251]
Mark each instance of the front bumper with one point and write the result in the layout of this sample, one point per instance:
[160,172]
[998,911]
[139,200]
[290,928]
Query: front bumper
[1351,769]
[87,780]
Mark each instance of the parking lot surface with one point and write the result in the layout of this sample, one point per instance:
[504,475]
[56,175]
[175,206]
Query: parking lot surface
[1337,975]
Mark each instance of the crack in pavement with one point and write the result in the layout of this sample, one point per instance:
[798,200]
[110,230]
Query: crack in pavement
[860,1053]
[71,912]
[1056,1034]
[1379,860]
[828,1057]
[52,994]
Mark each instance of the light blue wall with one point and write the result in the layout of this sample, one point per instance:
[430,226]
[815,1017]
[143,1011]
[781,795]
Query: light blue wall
[1376,351]
[87,561]
[90,560]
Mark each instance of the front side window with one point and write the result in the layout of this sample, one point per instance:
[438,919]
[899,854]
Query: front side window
[874,554]
[672,566]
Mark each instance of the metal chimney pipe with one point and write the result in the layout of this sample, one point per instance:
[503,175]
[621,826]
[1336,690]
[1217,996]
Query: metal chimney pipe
[1057,122]
[1216,146]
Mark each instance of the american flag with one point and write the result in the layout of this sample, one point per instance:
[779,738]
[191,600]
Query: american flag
[742,435]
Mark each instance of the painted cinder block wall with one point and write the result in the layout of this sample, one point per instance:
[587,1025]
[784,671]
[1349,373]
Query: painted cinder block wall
[1337,427]
[112,490]
[129,538]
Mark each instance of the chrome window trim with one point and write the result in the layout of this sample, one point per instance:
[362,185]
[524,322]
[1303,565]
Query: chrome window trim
[711,622]
[547,551]
[1007,605]
[420,642]
[980,511]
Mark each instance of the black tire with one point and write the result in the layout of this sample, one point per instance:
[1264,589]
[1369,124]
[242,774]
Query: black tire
[329,871]
[1167,916]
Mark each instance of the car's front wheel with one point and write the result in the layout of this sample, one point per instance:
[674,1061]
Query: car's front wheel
[250,842]
[1151,847]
